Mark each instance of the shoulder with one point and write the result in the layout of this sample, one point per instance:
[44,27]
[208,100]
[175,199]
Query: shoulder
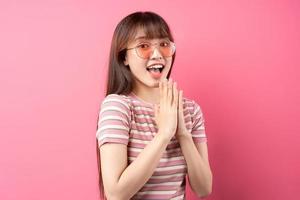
[118,100]
[191,105]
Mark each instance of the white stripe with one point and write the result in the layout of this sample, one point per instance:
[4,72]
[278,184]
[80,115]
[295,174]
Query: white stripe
[141,116]
[162,160]
[122,127]
[142,108]
[138,141]
[196,111]
[188,108]
[172,159]
[200,128]
[111,127]
[164,184]
[143,124]
[199,116]
[148,109]
[110,117]
[141,133]
[135,101]
[178,198]
[132,149]
[156,192]
[202,135]
[168,176]
[118,136]
[113,108]
[161,169]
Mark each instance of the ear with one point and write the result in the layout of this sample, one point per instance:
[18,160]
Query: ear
[125,61]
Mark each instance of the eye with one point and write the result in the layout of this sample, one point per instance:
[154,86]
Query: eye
[165,44]
[143,46]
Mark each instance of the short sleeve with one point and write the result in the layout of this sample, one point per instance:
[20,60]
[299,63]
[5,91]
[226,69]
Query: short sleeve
[114,121]
[198,128]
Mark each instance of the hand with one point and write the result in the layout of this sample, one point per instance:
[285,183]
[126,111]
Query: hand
[166,115]
[181,128]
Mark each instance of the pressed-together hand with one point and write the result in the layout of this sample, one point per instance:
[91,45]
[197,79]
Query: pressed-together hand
[166,115]
[169,116]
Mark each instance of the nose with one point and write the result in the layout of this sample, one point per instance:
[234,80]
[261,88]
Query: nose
[155,53]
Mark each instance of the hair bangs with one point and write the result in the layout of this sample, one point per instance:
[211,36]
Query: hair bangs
[156,29]
[154,26]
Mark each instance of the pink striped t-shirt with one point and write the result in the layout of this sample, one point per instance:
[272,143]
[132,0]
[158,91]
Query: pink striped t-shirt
[128,120]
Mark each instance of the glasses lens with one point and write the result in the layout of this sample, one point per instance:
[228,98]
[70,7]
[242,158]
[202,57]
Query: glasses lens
[144,50]
[165,48]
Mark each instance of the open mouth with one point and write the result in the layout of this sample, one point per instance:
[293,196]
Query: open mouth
[156,68]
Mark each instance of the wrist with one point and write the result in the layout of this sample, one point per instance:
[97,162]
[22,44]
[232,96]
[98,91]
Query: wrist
[184,137]
[163,136]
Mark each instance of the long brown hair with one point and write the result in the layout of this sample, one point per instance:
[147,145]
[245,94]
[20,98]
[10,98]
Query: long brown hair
[119,79]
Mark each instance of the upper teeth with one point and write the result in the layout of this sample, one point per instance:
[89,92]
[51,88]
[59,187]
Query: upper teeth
[155,66]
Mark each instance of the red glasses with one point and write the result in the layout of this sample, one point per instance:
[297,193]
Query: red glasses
[145,49]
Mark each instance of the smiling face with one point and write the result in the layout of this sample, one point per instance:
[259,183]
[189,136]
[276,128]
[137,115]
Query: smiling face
[147,72]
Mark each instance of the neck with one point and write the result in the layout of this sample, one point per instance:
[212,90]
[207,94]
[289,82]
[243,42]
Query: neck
[149,95]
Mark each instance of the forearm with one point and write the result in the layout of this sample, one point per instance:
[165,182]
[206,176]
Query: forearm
[199,173]
[135,176]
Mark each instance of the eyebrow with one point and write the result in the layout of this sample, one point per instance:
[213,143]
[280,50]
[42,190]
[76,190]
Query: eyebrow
[139,38]
[145,37]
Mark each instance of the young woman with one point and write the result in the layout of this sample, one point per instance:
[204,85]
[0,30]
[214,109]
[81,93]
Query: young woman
[149,138]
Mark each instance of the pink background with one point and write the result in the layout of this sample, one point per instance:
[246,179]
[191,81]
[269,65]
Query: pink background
[238,59]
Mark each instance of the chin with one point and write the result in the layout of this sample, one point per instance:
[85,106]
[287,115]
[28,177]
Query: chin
[154,84]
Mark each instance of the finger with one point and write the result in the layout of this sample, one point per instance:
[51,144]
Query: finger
[170,92]
[155,110]
[180,101]
[156,114]
[175,95]
[164,90]
[160,90]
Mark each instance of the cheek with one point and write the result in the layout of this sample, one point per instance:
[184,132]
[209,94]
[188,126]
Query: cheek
[169,63]
[134,61]
[137,67]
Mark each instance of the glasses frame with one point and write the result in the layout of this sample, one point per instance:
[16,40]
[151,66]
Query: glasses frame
[173,46]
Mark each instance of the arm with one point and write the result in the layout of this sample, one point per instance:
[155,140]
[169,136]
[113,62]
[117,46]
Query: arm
[195,153]
[199,172]
[122,181]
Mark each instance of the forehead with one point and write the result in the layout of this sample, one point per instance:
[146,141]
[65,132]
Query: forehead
[140,34]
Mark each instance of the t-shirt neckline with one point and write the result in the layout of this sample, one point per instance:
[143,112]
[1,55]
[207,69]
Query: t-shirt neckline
[141,100]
